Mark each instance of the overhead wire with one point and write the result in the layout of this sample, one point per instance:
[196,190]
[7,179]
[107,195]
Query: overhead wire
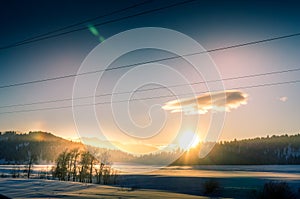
[76,24]
[147,62]
[50,35]
[146,98]
[155,88]
[32,40]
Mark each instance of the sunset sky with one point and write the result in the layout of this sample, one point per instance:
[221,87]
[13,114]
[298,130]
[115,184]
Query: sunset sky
[257,111]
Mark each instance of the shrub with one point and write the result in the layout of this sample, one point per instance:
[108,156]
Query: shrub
[276,190]
[211,187]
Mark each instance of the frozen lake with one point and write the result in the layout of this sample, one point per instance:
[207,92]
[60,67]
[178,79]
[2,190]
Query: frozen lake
[265,171]
[237,181]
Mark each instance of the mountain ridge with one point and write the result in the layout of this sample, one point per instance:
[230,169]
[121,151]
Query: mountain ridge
[15,148]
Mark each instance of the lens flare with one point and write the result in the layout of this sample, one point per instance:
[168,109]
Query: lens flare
[95,32]
[188,140]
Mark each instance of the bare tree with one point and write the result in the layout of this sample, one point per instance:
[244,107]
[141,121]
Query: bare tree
[84,166]
[30,161]
[75,160]
[61,168]
[104,164]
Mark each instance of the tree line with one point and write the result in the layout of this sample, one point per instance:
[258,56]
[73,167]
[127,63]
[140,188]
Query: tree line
[83,166]
[40,147]
[45,148]
[282,149]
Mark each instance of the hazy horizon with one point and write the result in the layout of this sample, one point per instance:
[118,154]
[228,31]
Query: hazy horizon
[250,100]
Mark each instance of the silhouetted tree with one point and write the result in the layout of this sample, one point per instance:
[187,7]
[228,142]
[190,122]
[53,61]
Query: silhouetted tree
[61,168]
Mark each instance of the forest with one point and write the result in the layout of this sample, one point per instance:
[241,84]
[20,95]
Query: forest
[283,149]
[46,148]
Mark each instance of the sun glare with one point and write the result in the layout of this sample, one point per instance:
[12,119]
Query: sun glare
[188,140]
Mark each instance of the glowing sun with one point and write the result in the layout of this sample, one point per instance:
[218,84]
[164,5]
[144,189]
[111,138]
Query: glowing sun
[188,140]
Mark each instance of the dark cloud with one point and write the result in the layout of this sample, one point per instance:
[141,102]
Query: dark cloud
[217,101]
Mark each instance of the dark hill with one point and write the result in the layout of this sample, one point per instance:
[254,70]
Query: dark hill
[282,149]
[44,147]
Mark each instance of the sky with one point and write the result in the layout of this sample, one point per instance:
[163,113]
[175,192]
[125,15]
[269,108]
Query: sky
[249,112]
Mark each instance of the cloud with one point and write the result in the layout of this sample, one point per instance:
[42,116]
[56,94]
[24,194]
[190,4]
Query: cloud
[217,101]
[283,99]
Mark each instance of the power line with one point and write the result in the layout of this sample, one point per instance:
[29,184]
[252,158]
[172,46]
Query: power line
[153,61]
[147,98]
[98,24]
[75,24]
[155,88]
[267,84]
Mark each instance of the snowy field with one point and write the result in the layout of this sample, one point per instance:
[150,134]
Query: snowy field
[171,182]
[37,188]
